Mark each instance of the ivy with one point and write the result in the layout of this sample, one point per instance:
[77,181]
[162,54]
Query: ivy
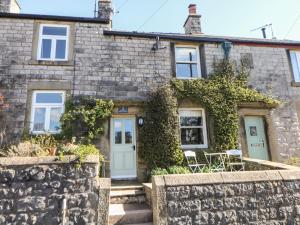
[159,138]
[220,94]
[84,118]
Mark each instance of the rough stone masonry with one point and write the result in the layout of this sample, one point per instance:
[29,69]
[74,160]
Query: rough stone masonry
[256,198]
[35,190]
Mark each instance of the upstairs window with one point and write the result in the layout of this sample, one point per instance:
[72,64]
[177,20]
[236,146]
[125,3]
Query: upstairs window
[53,42]
[47,108]
[295,60]
[187,62]
[193,128]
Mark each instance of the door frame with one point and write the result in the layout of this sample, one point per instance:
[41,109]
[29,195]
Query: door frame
[134,143]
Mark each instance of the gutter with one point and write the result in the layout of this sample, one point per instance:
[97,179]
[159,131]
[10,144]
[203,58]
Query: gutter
[53,18]
[200,38]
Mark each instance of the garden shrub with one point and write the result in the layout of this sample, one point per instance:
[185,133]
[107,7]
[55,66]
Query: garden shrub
[178,170]
[24,149]
[84,118]
[159,172]
[159,138]
[80,151]
[170,170]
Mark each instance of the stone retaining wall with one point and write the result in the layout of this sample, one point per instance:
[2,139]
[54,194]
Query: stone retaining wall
[35,190]
[258,197]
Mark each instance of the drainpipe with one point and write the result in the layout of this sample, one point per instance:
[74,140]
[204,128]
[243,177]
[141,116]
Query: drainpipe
[64,211]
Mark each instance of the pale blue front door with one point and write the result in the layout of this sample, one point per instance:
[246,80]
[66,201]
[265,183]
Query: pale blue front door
[123,151]
[256,137]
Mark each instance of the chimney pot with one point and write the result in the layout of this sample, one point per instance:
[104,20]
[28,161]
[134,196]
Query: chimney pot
[9,6]
[192,9]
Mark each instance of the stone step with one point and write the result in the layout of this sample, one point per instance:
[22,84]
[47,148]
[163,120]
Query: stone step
[126,196]
[121,214]
[140,224]
[126,187]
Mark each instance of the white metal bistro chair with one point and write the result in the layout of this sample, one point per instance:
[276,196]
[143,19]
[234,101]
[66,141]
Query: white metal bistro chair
[216,161]
[235,160]
[192,162]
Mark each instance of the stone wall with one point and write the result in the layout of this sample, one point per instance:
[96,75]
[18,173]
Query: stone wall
[33,191]
[260,197]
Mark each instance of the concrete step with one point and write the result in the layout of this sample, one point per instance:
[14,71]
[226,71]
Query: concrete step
[121,214]
[126,196]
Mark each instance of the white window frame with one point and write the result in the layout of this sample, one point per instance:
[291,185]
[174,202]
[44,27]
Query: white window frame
[48,107]
[295,75]
[205,144]
[187,62]
[53,38]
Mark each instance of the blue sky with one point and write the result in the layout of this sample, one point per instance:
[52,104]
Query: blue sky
[219,17]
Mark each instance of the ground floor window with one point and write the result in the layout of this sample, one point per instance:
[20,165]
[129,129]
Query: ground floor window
[193,131]
[47,108]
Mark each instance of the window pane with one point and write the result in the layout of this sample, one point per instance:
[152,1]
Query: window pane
[191,121]
[192,136]
[183,70]
[49,98]
[55,115]
[118,132]
[295,65]
[195,70]
[39,119]
[60,49]
[59,31]
[46,49]
[128,132]
[186,54]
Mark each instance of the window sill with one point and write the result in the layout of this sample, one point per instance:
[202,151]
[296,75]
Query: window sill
[188,78]
[51,63]
[184,147]
[295,84]
[43,133]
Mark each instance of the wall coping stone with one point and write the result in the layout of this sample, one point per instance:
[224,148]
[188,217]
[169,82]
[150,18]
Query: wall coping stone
[275,165]
[20,161]
[226,177]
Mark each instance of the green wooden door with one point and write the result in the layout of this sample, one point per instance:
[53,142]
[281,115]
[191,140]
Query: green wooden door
[123,151]
[256,137]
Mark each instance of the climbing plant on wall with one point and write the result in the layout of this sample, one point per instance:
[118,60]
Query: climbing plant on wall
[220,94]
[159,138]
[84,118]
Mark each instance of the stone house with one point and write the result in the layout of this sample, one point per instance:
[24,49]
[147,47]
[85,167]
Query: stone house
[45,58]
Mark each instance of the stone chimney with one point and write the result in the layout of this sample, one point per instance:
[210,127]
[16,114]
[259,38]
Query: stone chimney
[105,10]
[192,24]
[9,6]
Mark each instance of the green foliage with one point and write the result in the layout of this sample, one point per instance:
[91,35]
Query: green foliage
[80,151]
[178,170]
[84,118]
[221,93]
[159,138]
[159,172]
[24,149]
[170,170]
